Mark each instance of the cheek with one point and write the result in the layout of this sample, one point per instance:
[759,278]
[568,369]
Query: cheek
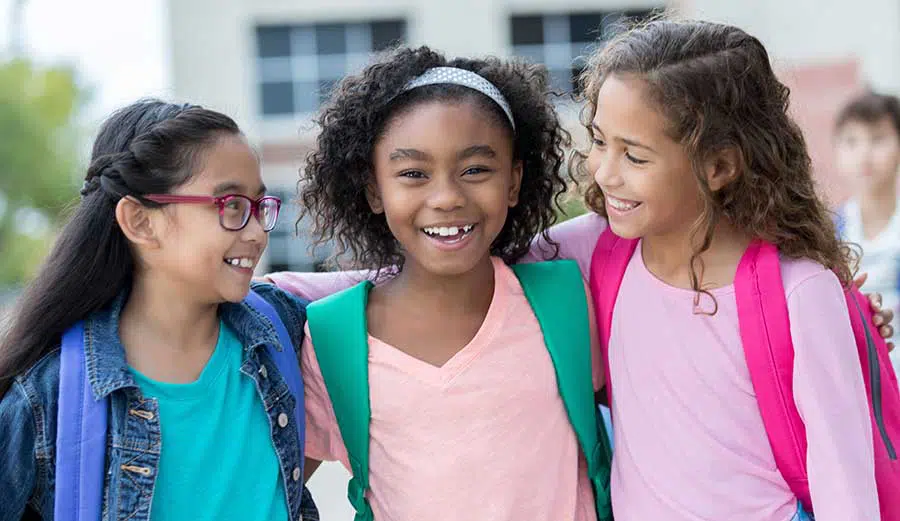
[396,203]
[887,156]
[676,184]
[592,164]
[197,236]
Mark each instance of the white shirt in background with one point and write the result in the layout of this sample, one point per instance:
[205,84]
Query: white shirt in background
[880,259]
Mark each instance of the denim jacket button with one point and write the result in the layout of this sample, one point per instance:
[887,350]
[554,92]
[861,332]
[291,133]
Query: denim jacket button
[263,372]
[282,420]
[296,474]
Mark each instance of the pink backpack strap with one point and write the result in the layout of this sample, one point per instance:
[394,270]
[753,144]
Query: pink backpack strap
[766,337]
[884,402]
[608,264]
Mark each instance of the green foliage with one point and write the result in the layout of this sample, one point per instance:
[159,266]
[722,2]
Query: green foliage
[38,159]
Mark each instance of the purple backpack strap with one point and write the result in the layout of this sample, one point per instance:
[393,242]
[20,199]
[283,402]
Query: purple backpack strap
[608,264]
[287,362]
[80,436]
[766,337]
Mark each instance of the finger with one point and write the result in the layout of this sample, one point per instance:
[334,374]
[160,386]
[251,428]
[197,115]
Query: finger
[886,331]
[875,301]
[860,280]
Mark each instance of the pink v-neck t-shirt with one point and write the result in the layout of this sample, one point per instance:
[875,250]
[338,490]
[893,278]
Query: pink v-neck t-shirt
[485,436]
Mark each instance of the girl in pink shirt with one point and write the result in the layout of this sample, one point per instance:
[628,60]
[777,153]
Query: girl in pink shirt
[442,172]
[695,155]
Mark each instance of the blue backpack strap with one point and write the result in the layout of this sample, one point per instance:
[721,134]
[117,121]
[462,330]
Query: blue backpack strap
[286,360]
[80,436]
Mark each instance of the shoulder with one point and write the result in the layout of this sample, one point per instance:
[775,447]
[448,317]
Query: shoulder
[28,409]
[815,297]
[290,308]
[38,386]
[281,300]
[575,238]
[800,276]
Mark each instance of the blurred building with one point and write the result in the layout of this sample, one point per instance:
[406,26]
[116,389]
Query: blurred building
[270,62]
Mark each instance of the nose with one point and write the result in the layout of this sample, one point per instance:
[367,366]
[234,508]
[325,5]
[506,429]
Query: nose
[253,231]
[606,171]
[447,194]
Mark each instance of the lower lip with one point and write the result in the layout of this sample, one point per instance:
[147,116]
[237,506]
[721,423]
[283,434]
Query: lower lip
[451,246]
[243,271]
[612,210]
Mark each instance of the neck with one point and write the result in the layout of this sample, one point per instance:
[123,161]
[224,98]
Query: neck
[877,205]
[460,293]
[159,314]
[669,257]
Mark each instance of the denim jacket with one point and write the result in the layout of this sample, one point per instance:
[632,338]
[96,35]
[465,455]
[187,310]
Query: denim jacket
[28,416]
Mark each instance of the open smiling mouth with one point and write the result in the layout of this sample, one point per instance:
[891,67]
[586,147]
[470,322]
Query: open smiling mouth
[449,234]
[240,262]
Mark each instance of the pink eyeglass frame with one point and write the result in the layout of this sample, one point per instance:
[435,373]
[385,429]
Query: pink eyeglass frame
[220,202]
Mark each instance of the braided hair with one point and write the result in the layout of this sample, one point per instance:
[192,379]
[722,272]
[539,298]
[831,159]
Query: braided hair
[147,147]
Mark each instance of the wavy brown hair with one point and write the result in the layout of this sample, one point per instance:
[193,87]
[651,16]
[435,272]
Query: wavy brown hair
[339,170]
[715,85]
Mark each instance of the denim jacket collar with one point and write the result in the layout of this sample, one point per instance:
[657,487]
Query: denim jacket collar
[106,366]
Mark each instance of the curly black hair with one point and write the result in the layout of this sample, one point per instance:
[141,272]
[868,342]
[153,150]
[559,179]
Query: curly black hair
[339,170]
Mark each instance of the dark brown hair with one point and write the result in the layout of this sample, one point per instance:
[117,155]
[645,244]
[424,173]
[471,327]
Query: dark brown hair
[869,107]
[715,85]
[148,147]
[339,170]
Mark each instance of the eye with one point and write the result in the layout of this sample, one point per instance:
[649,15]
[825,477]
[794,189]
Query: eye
[635,160]
[599,142]
[412,174]
[234,204]
[475,170]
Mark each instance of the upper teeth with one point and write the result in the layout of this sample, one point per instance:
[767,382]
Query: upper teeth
[241,262]
[619,204]
[448,231]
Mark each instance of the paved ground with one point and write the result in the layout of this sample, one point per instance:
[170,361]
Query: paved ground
[329,487]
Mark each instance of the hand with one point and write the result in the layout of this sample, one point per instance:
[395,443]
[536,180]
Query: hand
[882,317]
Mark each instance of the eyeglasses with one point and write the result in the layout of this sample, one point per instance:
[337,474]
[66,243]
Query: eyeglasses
[234,209]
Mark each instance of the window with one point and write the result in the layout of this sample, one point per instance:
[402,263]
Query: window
[560,41]
[289,246]
[299,64]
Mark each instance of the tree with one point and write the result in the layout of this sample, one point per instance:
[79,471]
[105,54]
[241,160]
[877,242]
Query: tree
[38,160]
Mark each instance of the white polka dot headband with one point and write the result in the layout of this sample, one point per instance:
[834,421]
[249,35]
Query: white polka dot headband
[454,76]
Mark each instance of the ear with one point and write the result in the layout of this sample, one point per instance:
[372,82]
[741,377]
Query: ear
[374,198]
[516,185]
[722,168]
[135,221]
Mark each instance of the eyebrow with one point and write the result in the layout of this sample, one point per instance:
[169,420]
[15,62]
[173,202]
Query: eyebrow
[232,187]
[478,150]
[628,141]
[409,153]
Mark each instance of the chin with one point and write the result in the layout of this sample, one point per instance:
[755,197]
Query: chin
[626,232]
[235,294]
[450,267]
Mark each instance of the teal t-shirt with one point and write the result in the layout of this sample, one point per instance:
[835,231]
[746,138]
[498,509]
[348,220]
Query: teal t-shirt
[218,461]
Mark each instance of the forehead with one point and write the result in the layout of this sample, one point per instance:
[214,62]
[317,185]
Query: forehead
[442,125]
[881,125]
[624,106]
[229,160]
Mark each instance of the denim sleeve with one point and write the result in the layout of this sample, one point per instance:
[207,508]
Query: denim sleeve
[17,453]
[290,308]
